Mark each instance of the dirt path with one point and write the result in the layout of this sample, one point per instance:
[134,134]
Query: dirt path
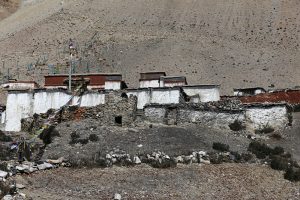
[225,181]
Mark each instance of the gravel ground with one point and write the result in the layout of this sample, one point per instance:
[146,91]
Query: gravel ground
[225,181]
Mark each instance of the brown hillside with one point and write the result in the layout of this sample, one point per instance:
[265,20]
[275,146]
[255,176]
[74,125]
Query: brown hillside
[7,7]
[235,43]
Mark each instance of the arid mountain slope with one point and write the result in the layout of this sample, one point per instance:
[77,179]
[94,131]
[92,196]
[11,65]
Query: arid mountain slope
[7,7]
[236,43]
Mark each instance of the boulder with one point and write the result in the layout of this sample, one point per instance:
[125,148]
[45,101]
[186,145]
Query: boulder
[3,174]
[20,186]
[22,168]
[45,166]
[55,162]
[179,159]
[8,197]
[117,197]
[136,160]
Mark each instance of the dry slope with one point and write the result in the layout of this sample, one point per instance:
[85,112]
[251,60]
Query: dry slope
[7,7]
[235,43]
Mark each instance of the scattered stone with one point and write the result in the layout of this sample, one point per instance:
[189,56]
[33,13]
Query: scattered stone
[136,160]
[45,166]
[3,174]
[8,197]
[179,159]
[117,197]
[204,161]
[108,156]
[22,168]
[20,186]
[55,162]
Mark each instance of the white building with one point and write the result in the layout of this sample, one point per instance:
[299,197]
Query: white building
[172,81]
[151,79]
[156,96]
[202,93]
[19,85]
[248,91]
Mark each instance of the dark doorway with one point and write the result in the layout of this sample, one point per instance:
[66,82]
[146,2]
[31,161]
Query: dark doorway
[118,120]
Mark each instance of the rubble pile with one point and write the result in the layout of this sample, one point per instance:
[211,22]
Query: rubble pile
[10,189]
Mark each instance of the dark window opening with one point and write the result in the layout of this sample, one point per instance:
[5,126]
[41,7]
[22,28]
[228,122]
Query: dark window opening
[118,120]
[124,95]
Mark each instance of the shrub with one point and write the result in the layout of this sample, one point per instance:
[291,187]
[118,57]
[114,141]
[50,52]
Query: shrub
[48,134]
[261,150]
[4,138]
[93,137]
[165,163]
[74,137]
[236,126]
[265,129]
[216,158]
[278,150]
[276,136]
[220,146]
[292,174]
[83,141]
[279,163]
[236,156]
[246,156]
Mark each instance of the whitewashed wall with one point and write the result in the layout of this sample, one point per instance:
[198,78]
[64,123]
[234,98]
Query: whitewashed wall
[89,100]
[3,117]
[18,86]
[258,118]
[25,104]
[169,96]
[149,83]
[18,106]
[159,96]
[163,84]
[143,97]
[206,94]
[43,101]
[112,85]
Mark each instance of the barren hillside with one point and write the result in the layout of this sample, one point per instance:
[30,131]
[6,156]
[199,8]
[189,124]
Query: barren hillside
[233,43]
[7,7]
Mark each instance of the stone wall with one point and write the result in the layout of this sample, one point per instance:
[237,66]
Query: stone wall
[222,115]
[259,117]
[219,120]
[205,114]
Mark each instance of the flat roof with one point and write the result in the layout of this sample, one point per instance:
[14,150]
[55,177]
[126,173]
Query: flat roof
[250,88]
[11,81]
[154,88]
[89,74]
[153,72]
[202,85]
